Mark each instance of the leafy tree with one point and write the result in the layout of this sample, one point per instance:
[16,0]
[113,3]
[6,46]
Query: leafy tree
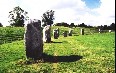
[105,27]
[82,25]
[17,17]
[62,24]
[72,25]
[58,24]
[48,18]
[112,26]
[1,25]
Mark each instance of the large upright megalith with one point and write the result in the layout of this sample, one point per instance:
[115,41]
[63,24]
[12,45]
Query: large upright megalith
[58,31]
[33,40]
[47,34]
[55,33]
[110,31]
[47,20]
[82,31]
[70,32]
[99,30]
[65,33]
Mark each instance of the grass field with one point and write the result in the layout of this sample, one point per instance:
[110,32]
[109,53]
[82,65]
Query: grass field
[73,54]
[9,34]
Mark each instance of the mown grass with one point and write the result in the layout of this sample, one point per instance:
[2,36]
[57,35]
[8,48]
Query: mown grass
[73,54]
[9,34]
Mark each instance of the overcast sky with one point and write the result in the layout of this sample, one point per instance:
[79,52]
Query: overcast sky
[90,12]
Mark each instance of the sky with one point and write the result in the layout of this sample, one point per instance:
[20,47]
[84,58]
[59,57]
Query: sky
[92,3]
[90,12]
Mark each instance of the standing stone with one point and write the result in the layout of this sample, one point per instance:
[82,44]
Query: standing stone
[33,40]
[110,31]
[65,33]
[46,34]
[99,30]
[58,31]
[70,32]
[82,31]
[55,33]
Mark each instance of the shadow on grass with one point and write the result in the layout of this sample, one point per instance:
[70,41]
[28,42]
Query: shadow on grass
[53,42]
[53,59]
[56,42]
[76,35]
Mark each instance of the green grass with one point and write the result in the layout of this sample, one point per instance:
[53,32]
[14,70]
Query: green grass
[73,54]
[9,34]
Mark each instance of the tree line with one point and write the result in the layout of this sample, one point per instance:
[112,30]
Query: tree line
[102,27]
[18,16]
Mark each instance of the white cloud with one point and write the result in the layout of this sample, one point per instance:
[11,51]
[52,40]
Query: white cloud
[106,12]
[107,7]
[5,7]
[65,10]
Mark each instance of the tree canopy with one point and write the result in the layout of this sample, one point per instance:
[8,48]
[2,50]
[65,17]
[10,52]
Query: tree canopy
[48,18]
[1,25]
[17,17]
